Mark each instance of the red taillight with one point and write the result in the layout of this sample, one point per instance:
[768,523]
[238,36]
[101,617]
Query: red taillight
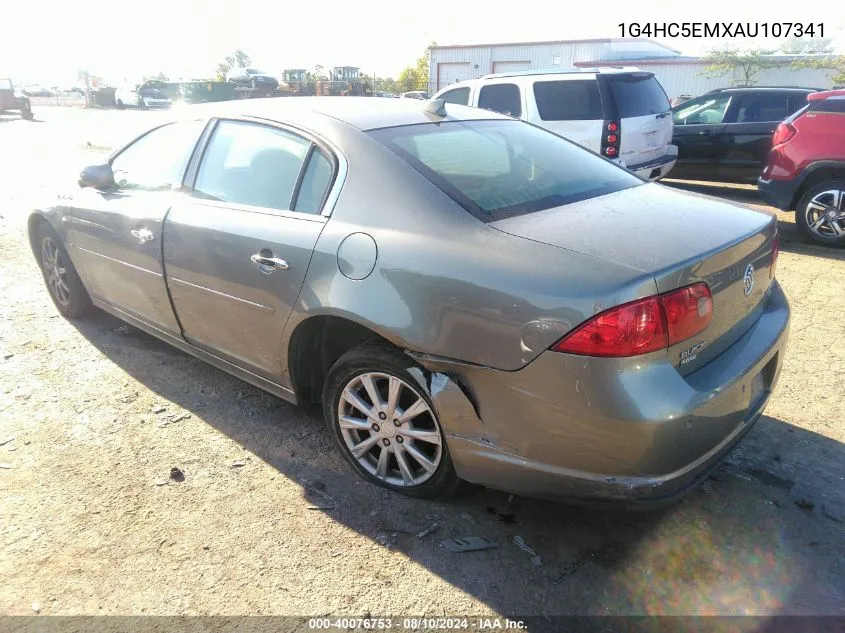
[610,150]
[688,311]
[627,330]
[775,253]
[643,326]
[612,126]
[783,133]
[612,138]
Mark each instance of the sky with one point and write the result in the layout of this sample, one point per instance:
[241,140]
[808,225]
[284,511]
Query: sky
[48,41]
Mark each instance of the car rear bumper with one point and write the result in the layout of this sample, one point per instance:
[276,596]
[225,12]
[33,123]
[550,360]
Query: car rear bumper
[631,431]
[778,193]
[658,168]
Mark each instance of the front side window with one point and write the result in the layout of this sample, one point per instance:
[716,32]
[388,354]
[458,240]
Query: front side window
[502,98]
[707,110]
[458,96]
[568,100]
[157,161]
[248,163]
[501,169]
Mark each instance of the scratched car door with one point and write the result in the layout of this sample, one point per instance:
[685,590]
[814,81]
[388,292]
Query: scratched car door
[237,251]
[118,230]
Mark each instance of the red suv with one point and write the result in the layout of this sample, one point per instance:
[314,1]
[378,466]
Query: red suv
[806,168]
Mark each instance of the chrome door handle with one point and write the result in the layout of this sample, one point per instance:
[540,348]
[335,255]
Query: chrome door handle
[273,263]
[142,235]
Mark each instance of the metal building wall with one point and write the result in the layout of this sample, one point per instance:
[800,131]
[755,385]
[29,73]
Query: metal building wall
[688,79]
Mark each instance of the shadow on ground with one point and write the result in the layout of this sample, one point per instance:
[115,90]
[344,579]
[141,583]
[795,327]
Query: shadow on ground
[762,536]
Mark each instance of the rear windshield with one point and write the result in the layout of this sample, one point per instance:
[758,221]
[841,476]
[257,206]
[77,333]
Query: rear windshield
[568,100]
[638,95]
[502,169]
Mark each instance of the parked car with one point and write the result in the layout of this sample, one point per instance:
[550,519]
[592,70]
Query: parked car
[252,78]
[14,100]
[725,135]
[622,114]
[527,315]
[36,91]
[144,95]
[420,95]
[805,170]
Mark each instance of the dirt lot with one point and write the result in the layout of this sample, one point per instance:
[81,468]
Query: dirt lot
[94,414]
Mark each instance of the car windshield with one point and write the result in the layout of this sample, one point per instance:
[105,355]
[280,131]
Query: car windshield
[501,169]
[253,71]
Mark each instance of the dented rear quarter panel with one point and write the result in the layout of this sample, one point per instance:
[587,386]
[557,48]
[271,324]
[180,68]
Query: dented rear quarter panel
[445,283]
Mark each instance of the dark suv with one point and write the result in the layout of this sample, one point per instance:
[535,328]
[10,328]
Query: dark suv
[11,99]
[806,168]
[725,135]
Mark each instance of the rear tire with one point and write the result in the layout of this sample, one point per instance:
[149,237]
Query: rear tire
[403,447]
[62,281]
[820,213]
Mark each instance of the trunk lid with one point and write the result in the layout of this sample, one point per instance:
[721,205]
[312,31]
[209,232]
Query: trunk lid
[679,238]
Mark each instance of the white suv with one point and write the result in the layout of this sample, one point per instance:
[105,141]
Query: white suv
[621,113]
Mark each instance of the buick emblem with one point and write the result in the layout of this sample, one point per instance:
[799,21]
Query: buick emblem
[748,279]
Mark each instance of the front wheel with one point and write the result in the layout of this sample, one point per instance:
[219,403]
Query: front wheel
[385,425]
[820,213]
[27,115]
[60,276]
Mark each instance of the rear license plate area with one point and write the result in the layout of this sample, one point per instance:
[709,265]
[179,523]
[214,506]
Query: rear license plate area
[761,384]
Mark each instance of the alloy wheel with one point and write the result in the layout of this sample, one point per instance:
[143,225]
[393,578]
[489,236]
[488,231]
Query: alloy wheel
[55,271]
[825,214]
[389,429]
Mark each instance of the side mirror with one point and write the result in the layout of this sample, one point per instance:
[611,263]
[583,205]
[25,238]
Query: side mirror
[97,176]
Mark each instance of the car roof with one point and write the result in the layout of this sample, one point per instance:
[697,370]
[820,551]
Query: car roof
[825,94]
[764,89]
[601,70]
[364,113]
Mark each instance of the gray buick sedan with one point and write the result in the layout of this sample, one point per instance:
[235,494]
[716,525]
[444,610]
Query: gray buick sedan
[468,296]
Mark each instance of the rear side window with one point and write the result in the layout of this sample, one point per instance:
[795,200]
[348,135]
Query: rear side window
[831,104]
[458,96]
[251,164]
[502,169]
[315,183]
[796,102]
[760,108]
[568,100]
[502,98]
[638,95]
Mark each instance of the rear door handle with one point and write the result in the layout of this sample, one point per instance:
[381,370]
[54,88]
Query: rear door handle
[142,235]
[273,263]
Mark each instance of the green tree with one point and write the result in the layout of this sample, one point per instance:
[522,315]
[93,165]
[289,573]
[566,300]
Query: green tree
[749,63]
[416,77]
[834,64]
[807,46]
[238,59]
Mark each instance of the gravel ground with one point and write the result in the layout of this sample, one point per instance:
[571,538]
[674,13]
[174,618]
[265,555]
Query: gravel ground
[269,520]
